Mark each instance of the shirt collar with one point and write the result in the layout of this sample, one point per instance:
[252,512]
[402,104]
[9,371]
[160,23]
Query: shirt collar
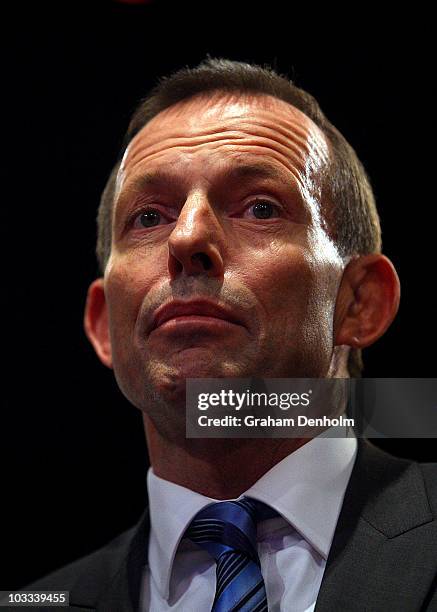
[306,488]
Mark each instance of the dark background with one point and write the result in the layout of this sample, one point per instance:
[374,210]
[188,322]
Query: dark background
[73,457]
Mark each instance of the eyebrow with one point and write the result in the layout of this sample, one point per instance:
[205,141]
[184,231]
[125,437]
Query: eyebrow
[162,177]
[261,170]
[155,178]
[266,171]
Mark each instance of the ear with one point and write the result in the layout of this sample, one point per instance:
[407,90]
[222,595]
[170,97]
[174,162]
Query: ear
[96,322]
[367,301]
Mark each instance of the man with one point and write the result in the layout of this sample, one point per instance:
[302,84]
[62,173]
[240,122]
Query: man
[238,237]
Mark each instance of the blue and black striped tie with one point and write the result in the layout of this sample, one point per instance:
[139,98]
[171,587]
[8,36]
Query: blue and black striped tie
[227,530]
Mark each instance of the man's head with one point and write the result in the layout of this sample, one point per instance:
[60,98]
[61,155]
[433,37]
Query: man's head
[238,236]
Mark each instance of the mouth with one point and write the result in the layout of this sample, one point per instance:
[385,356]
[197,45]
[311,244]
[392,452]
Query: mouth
[193,314]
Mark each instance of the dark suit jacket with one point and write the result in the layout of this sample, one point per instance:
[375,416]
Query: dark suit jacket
[383,557]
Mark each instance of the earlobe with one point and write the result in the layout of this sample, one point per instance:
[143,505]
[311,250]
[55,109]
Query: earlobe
[367,301]
[96,322]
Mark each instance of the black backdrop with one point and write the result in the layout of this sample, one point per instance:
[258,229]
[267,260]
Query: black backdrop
[73,457]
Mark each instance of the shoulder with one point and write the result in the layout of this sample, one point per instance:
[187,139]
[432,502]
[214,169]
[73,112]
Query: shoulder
[378,462]
[92,578]
[394,493]
[384,551]
[97,565]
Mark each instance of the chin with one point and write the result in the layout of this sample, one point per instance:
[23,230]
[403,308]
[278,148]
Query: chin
[194,362]
[168,380]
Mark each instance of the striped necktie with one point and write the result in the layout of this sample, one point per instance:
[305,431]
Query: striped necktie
[227,530]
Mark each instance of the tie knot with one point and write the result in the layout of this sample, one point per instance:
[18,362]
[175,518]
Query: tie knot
[229,526]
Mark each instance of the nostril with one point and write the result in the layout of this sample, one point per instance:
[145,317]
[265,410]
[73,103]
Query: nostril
[203,259]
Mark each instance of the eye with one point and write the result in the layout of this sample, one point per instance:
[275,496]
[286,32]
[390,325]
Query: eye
[264,209]
[150,218]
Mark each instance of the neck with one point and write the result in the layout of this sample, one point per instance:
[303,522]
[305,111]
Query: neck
[217,468]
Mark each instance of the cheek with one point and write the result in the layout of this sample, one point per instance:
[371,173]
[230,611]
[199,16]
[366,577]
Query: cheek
[296,284]
[123,290]
[130,277]
[280,275]
[126,286]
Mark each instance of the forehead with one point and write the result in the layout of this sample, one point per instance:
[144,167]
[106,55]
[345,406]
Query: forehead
[228,124]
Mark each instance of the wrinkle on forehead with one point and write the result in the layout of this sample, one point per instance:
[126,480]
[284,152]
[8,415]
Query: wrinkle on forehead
[301,145]
[246,122]
[221,113]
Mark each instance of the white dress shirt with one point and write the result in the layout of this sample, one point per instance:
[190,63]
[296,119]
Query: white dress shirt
[306,489]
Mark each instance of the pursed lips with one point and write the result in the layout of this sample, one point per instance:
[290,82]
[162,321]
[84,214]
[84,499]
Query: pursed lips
[193,308]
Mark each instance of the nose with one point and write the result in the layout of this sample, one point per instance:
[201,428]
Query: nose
[196,244]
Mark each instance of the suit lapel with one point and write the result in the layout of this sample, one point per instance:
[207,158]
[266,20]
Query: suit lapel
[374,550]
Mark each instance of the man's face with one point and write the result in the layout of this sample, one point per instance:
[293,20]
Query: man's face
[220,266]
